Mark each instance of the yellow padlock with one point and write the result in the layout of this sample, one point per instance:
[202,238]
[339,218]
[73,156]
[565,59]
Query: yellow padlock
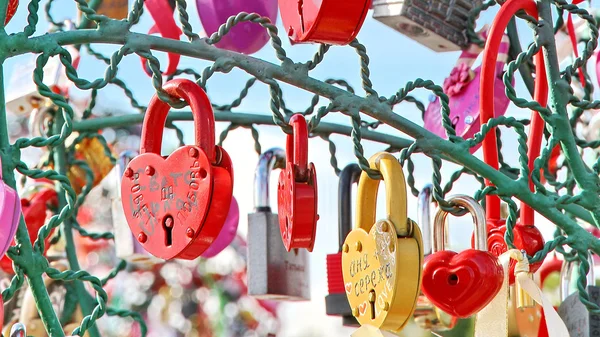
[382,261]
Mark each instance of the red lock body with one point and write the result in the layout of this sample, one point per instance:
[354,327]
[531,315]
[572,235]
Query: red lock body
[323,21]
[35,214]
[297,191]
[176,205]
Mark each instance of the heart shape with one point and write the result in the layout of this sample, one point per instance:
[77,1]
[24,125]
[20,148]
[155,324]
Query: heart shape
[166,200]
[374,265]
[348,287]
[462,284]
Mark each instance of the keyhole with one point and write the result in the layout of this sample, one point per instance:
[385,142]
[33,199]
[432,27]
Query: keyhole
[168,227]
[372,298]
[301,12]
[453,279]
[455,121]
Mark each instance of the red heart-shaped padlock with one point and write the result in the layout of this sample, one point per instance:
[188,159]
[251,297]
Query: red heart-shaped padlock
[172,204]
[461,284]
[464,283]
[323,21]
[297,191]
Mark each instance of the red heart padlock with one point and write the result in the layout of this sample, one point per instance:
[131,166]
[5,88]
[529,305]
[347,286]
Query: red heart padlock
[176,206]
[464,283]
[323,21]
[297,191]
[526,236]
[35,208]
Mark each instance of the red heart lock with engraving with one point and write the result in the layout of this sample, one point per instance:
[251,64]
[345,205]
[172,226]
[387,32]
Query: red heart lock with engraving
[35,205]
[177,205]
[461,284]
[297,191]
[526,236]
[323,21]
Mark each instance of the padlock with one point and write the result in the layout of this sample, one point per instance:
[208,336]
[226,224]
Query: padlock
[297,191]
[336,302]
[426,315]
[273,272]
[579,321]
[35,205]
[18,330]
[11,10]
[176,206]
[245,37]
[10,213]
[439,25]
[464,283]
[462,88]
[382,260]
[22,95]
[530,321]
[323,21]
[127,247]
[228,232]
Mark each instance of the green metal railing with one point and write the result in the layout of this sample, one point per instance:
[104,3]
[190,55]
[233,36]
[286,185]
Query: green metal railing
[563,202]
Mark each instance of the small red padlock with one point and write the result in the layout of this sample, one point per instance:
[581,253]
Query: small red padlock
[35,208]
[176,205]
[297,191]
[11,10]
[323,21]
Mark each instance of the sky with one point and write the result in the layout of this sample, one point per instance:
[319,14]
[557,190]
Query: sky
[395,60]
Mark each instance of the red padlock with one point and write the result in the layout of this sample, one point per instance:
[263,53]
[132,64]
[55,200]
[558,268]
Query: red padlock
[176,205]
[11,10]
[297,191]
[526,236]
[35,212]
[323,21]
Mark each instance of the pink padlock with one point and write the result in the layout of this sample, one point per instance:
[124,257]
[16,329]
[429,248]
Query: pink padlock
[245,37]
[10,213]
[228,232]
[462,87]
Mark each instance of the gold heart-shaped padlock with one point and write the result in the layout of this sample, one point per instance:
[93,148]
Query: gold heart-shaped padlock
[382,261]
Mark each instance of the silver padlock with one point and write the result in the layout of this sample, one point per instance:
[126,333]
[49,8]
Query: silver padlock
[273,272]
[579,322]
[18,330]
[127,247]
[439,25]
[22,95]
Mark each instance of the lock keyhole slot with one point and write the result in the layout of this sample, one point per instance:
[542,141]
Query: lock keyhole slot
[372,298]
[168,228]
[455,121]
[301,12]
[452,279]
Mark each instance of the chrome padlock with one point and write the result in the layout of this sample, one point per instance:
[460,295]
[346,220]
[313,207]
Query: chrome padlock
[22,95]
[439,25]
[273,272]
[336,302]
[578,320]
[426,315]
[127,247]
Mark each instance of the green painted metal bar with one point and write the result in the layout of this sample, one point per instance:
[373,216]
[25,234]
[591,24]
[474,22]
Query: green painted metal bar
[35,270]
[93,4]
[236,118]
[116,32]
[86,302]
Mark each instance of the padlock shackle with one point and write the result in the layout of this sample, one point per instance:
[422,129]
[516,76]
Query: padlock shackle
[296,147]
[124,158]
[268,161]
[566,274]
[349,176]
[204,119]
[424,201]
[486,102]
[395,195]
[476,211]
